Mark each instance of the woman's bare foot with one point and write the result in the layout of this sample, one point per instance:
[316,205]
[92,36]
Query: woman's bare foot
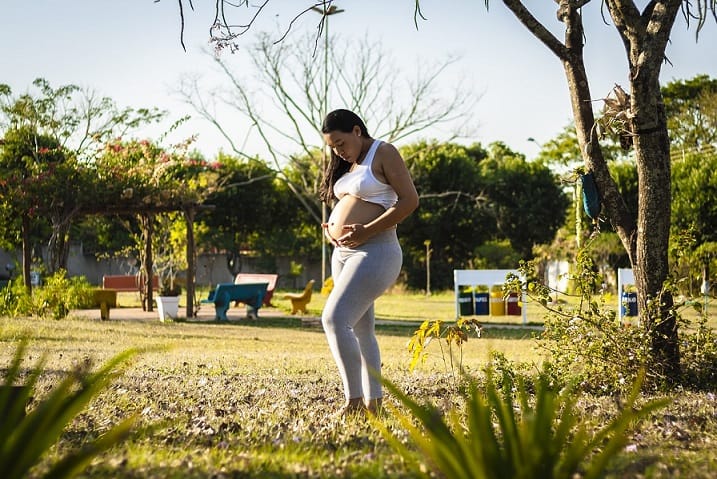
[374,406]
[353,406]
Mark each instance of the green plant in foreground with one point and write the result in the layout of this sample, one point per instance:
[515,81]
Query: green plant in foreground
[24,438]
[544,438]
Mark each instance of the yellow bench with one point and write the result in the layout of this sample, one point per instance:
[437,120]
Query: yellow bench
[300,300]
[106,298]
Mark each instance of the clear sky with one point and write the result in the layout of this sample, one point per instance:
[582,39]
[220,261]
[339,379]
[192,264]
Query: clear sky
[129,50]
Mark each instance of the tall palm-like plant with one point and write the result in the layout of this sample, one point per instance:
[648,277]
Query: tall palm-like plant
[502,437]
[25,437]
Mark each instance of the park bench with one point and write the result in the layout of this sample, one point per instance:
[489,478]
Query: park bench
[126,283]
[300,300]
[251,294]
[271,279]
[106,297]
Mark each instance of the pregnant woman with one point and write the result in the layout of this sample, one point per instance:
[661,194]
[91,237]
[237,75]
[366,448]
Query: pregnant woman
[371,191]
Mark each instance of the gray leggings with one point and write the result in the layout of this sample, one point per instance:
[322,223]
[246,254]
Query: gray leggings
[360,276]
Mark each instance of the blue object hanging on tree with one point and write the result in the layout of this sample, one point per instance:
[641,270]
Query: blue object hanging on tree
[591,197]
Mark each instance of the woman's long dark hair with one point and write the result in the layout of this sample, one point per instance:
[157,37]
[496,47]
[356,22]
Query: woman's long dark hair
[343,121]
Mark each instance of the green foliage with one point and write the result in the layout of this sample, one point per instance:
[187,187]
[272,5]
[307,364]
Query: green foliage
[499,435]
[28,163]
[698,353]
[525,200]
[591,347]
[691,108]
[26,437]
[452,214]
[255,211]
[584,341]
[55,298]
[694,214]
[469,196]
[14,299]
[52,136]
[495,254]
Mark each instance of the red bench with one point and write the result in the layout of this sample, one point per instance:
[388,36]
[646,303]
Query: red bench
[126,282]
[243,278]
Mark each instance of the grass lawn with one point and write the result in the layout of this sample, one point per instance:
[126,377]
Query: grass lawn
[256,398]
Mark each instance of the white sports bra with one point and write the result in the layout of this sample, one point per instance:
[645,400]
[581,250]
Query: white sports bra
[362,183]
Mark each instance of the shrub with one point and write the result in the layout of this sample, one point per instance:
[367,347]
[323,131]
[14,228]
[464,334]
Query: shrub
[586,345]
[14,299]
[698,353]
[60,294]
[55,298]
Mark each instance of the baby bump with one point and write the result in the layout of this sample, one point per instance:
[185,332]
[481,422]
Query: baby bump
[352,210]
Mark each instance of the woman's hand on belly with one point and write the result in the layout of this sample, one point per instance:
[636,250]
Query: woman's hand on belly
[354,235]
[351,212]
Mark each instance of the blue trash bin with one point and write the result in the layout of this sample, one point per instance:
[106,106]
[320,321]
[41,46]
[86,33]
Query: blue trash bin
[481,304]
[629,304]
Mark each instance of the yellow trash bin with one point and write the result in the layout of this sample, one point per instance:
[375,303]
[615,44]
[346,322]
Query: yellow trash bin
[497,305]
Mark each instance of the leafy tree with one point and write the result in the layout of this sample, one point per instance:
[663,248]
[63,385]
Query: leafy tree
[50,141]
[694,207]
[452,213]
[253,211]
[470,196]
[38,182]
[525,201]
[691,108]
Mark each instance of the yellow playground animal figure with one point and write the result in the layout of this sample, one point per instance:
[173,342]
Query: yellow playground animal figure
[300,300]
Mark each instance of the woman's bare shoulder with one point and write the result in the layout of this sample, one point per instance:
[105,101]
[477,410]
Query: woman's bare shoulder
[386,151]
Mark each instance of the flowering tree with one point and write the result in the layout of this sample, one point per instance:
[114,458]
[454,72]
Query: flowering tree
[50,140]
[139,177]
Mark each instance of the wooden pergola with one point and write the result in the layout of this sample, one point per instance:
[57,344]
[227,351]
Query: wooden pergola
[146,213]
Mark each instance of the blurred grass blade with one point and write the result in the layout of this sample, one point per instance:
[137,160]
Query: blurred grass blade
[23,445]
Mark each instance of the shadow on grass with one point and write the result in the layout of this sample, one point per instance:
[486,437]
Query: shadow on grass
[392,329]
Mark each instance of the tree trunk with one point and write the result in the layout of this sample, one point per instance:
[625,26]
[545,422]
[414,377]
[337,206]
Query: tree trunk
[147,267]
[58,248]
[645,36]
[652,154]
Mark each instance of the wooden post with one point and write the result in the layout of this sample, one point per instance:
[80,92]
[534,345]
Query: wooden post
[189,213]
[147,220]
[26,252]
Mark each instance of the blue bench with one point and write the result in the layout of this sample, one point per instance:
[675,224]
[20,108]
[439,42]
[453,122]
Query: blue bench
[251,294]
